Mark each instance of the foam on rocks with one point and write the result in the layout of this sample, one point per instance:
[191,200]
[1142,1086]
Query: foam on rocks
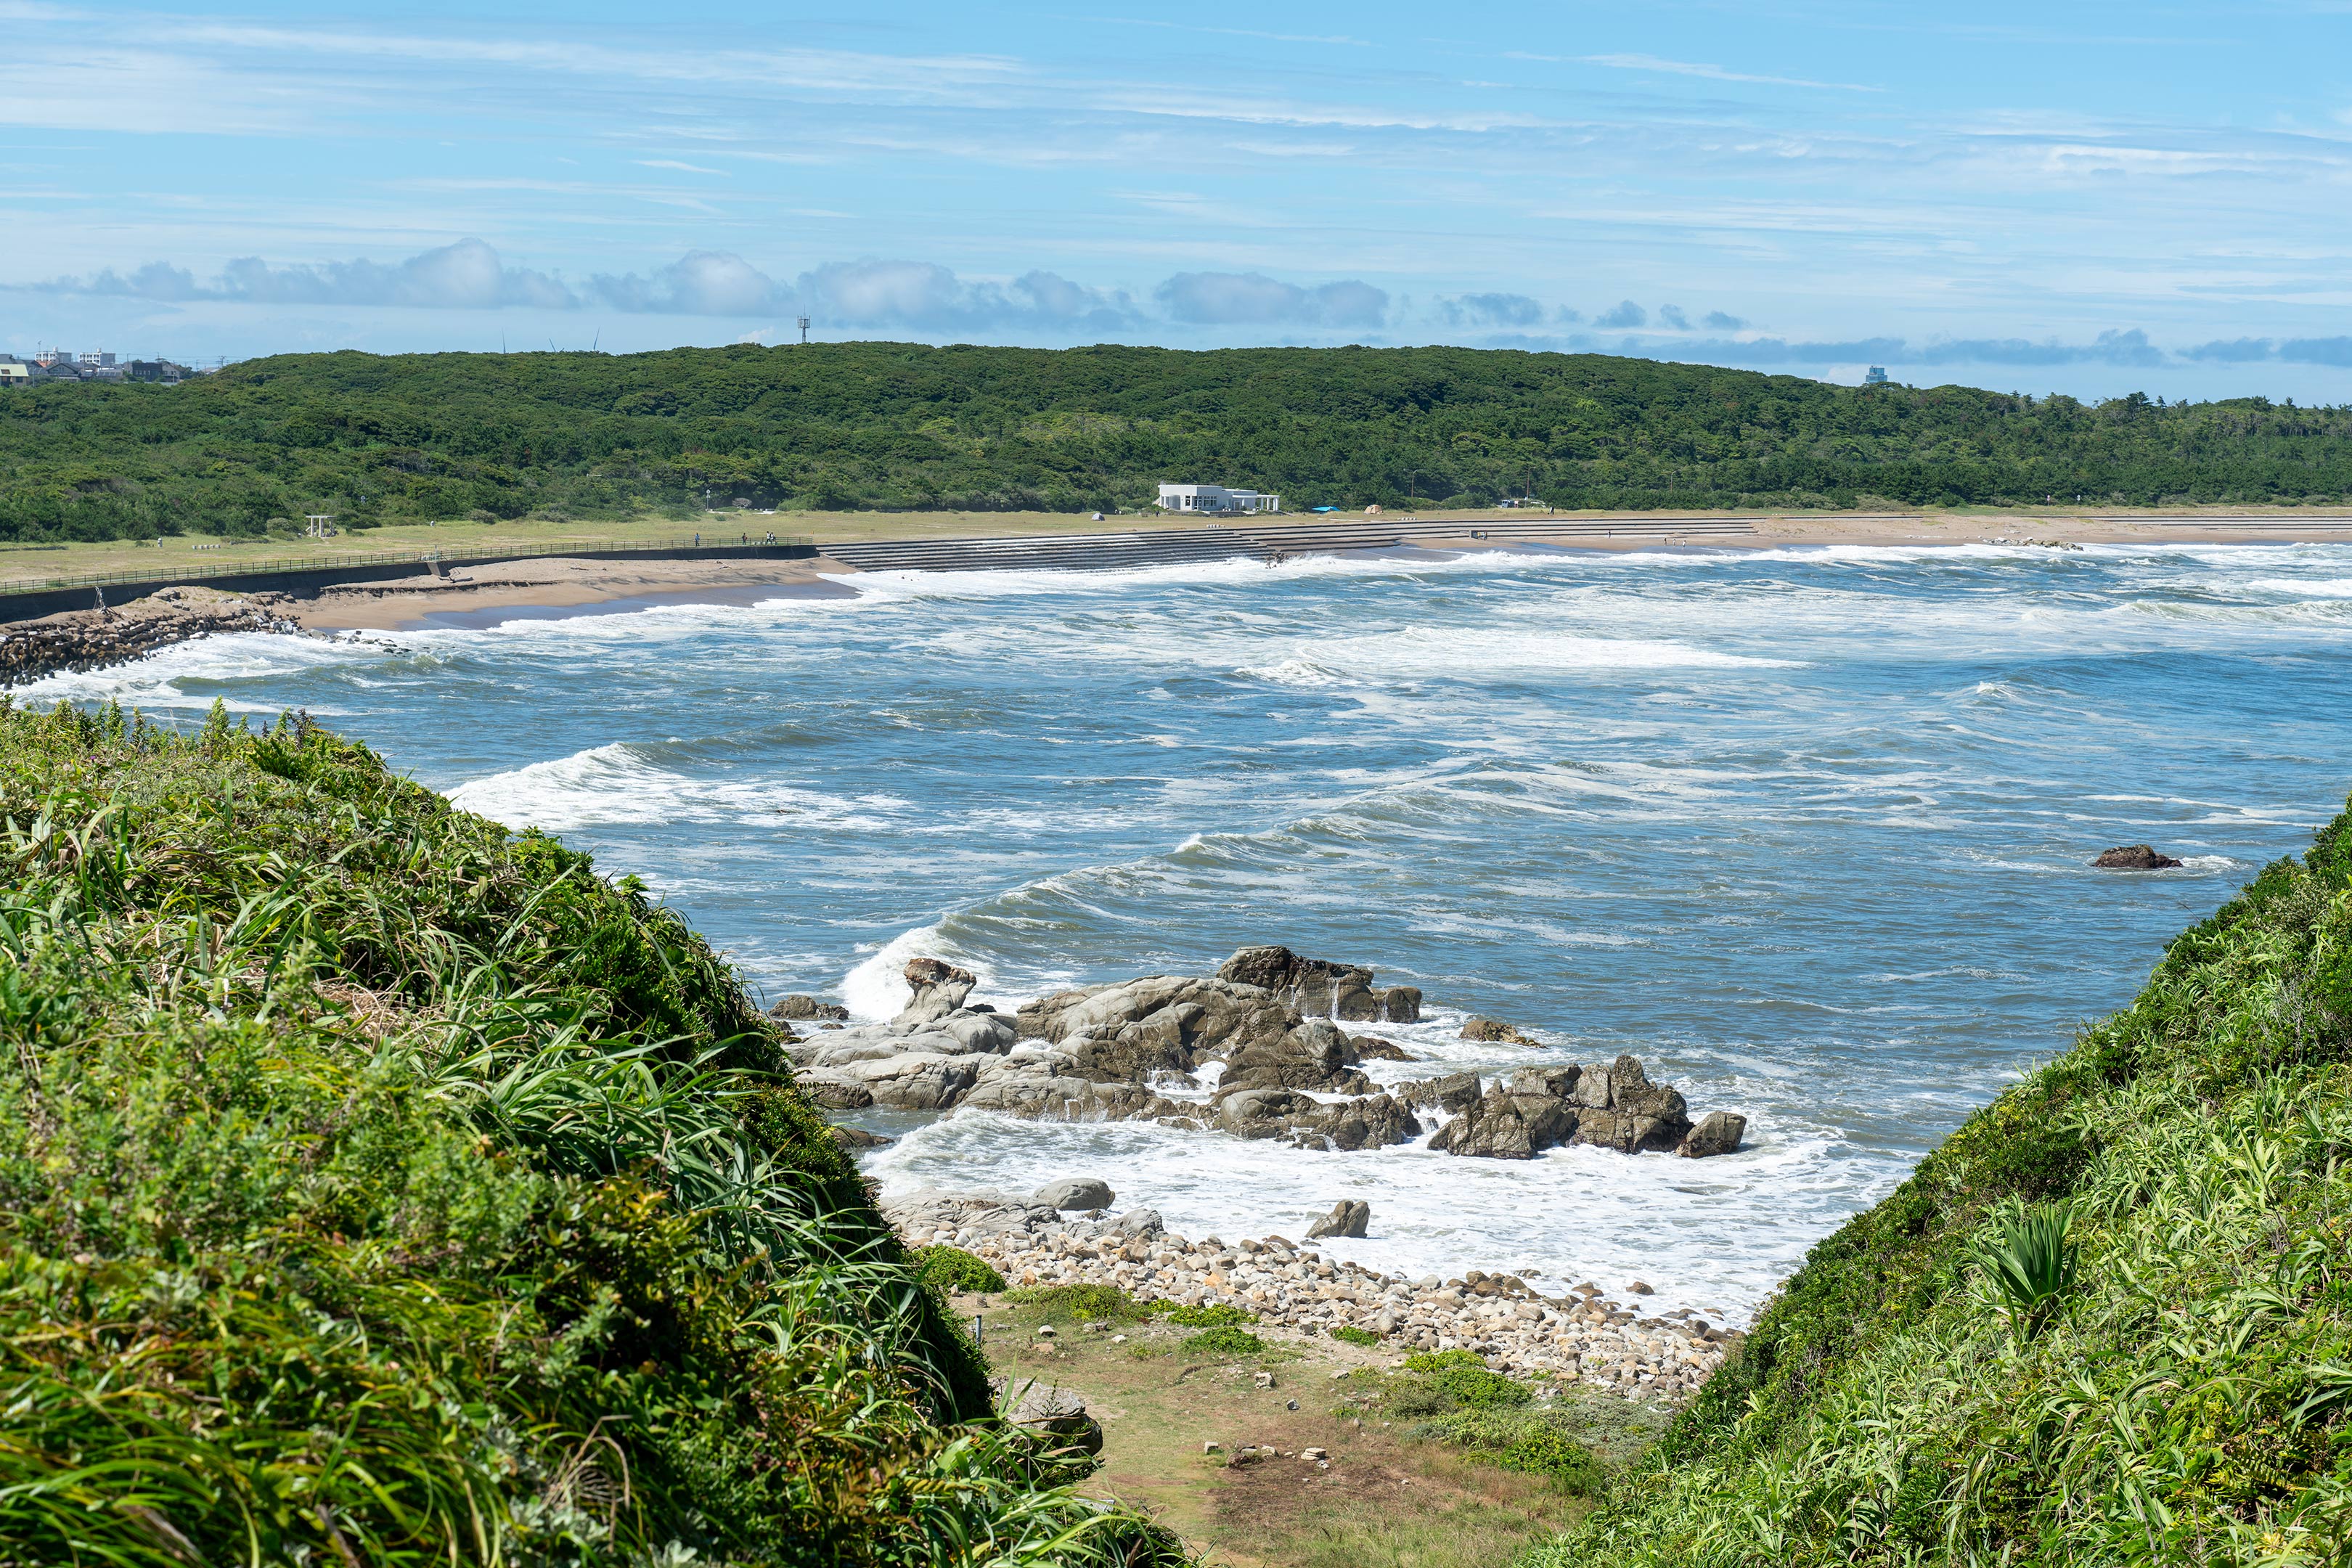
[1269,1024]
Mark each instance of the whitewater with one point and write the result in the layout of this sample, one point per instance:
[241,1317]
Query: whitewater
[1805,830]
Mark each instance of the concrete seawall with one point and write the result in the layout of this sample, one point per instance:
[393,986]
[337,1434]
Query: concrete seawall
[305,582]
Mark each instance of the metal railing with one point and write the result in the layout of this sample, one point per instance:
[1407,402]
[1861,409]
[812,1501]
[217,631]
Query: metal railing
[250,565]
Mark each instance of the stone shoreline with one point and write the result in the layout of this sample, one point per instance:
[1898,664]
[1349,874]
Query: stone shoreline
[94,638]
[1580,1336]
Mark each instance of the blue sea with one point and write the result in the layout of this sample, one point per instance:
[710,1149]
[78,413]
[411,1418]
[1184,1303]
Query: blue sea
[1805,830]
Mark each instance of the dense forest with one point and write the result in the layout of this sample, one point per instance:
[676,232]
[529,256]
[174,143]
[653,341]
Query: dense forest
[901,426]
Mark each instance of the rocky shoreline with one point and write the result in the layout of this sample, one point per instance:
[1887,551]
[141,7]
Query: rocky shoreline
[96,637]
[1581,1335]
[1257,1050]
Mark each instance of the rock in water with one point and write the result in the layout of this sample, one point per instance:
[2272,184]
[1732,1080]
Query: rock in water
[2134,857]
[1717,1132]
[1073,1193]
[800,1006]
[1347,1217]
[939,988]
[1494,1030]
[1400,1005]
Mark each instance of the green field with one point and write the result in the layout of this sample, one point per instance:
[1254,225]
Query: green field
[569,439]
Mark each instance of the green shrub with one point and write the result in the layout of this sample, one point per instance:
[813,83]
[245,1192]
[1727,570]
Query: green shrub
[1348,1334]
[955,1271]
[1463,1377]
[1106,1303]
[379,1186]
[1211,1315]
[1224,1340]
[2030,1263]
[1535,1442]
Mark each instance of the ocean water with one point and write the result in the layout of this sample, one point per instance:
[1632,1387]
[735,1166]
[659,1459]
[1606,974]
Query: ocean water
[1805,830]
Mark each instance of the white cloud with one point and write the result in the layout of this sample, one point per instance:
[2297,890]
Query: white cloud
[1252,298]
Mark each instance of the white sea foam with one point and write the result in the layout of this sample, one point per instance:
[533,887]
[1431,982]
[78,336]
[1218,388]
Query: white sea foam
[188,675]
[876,987]
[616,783]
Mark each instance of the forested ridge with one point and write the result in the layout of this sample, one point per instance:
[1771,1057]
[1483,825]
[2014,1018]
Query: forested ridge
[900,426]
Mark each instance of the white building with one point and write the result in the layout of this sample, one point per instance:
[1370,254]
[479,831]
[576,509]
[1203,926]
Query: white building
[1215,500]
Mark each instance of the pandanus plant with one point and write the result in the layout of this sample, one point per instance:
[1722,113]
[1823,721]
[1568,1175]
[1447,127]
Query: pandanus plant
[2029,1262]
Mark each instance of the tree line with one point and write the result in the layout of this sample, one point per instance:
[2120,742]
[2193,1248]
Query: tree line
[376,439]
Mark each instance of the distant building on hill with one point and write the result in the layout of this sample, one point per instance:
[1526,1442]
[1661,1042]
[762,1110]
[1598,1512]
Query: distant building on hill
[15,373]
[1215,500]
[1878,376]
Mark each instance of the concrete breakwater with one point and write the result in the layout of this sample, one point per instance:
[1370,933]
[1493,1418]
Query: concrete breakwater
[94,638]
[1582,1334]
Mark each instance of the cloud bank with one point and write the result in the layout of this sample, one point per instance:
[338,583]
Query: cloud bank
[923,298]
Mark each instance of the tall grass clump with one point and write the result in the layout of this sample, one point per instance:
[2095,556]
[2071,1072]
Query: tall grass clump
[378,1186]
[2109,1321]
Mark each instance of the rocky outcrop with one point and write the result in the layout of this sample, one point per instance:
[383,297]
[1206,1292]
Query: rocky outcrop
[1348,1217]
[1717,1132]
[1446,1095]
[96,637]
[938,988]
[1613,1107]
[796,1006]
[2134,857]
[1495,1031]
[1320,988]
[1314,1055]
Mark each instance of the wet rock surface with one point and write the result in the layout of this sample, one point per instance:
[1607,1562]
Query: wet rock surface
[1116,1052]
[2134,857]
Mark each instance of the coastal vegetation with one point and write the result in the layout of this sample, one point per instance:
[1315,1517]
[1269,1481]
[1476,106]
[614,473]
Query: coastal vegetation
[2109,1320]
[375,439]
[379,1186]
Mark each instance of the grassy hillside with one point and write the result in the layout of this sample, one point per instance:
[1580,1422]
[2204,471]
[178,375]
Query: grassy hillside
[2187,1398]
[838,425]
[378,1187]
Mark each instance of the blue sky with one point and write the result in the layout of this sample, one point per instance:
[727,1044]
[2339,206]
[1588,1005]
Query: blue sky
[2092,198]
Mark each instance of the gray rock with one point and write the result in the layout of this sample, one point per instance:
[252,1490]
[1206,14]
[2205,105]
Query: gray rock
[1717,1132]
[1495,1031]
[1348,1217]
[2134,857]
[1073,1193]
[1492,1129]
[857,1138]
[1400,1005]
[1141,1224]
[1447,1094]
[1053,1419]
[834,1090]
[939,988]
[916,1080]
[801,1007]
[1371,1049]
[1374,1122]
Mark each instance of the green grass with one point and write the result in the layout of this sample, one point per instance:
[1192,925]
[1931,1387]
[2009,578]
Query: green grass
[1211,1315]
[1097,1303]
[2161,1371]
[1348,1334]
[379,1186]
[1224,1340]
[1534,1442]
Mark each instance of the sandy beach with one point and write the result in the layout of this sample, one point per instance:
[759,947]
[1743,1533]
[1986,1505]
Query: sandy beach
[485,594]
